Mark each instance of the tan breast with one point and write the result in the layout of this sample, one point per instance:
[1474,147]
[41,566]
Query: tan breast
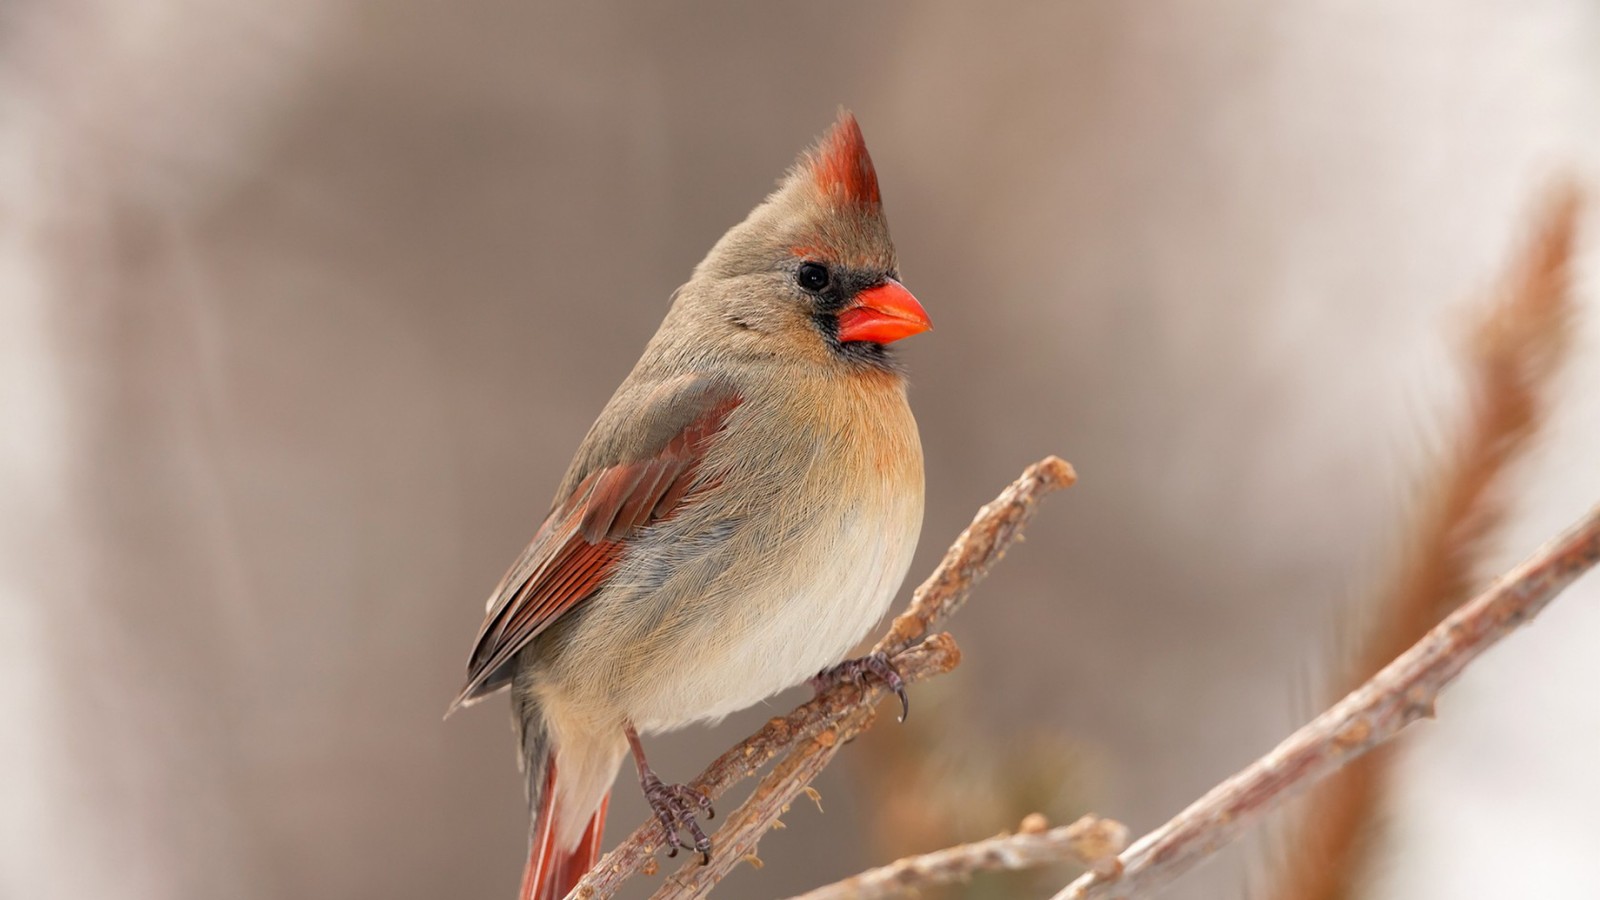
[816,514]
[843,527]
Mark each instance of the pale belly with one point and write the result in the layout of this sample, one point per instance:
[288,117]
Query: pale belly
[804,626]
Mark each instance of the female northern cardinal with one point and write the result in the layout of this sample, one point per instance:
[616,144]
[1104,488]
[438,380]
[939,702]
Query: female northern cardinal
[739,516]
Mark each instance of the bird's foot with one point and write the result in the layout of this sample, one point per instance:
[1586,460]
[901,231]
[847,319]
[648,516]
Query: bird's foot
[678,806]
[857,670]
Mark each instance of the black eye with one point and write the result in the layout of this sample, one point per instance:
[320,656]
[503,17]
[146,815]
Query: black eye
[812,276]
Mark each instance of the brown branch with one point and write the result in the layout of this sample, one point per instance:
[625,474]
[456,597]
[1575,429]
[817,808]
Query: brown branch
[814,731]
[737,839]
[1403,692]
[1516,350]
[974,552]
[1400,694]
[1091,842]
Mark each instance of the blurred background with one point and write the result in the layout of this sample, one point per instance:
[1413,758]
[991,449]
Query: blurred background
[304,307]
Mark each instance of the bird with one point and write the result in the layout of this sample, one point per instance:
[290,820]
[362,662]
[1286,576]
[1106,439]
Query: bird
[739,516]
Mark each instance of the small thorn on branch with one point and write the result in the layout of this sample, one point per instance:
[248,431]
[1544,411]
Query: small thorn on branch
[815,795]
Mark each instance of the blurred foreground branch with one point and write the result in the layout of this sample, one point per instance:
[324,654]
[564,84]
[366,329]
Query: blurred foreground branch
[1515,353]
[809,737]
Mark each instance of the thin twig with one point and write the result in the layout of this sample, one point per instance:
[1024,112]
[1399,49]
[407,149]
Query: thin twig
[1400,694]
[1091,841]
[813,732]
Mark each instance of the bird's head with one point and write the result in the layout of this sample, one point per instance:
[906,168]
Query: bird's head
[813,265]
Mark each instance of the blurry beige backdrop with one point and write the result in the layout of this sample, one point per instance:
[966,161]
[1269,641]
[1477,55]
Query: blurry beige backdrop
[304,306]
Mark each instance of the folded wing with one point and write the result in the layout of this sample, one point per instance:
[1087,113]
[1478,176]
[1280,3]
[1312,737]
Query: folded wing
[618,493]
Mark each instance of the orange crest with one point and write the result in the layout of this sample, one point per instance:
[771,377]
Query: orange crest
[840,166]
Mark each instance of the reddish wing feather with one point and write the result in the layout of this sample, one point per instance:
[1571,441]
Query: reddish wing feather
[583,539]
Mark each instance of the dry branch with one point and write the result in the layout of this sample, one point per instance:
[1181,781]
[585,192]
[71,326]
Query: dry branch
[813,732]
[1514,354]
[736,840]
[1091,842]
[1401,693]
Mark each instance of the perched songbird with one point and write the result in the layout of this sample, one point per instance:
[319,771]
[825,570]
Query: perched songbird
[736,520]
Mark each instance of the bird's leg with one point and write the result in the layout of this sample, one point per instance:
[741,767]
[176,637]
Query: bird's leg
[858,669]
[676,805]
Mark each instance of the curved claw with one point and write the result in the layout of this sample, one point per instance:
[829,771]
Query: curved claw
[675,806]
[858,669]
[905,702]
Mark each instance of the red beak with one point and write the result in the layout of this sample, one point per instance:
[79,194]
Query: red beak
[883,314]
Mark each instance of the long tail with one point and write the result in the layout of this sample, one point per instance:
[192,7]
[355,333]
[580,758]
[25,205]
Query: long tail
[552,871]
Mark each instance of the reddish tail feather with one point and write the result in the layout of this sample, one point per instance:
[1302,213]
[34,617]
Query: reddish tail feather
[553,873]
